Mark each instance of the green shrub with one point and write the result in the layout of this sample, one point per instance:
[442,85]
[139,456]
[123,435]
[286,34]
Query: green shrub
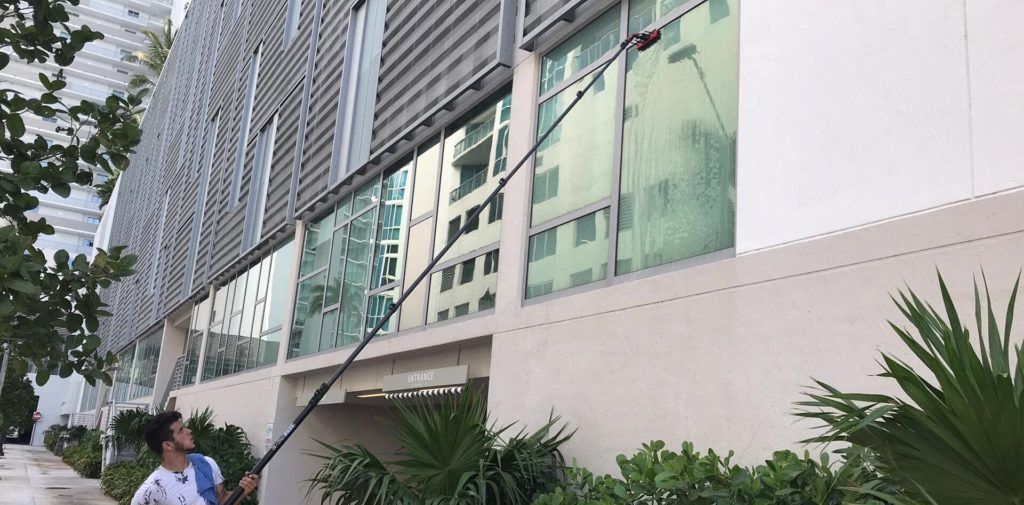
[657,475]
[51,437]
[85,457]
[227,445]
[121,480]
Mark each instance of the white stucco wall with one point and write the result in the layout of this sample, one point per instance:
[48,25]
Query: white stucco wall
[853,112]
[57,398]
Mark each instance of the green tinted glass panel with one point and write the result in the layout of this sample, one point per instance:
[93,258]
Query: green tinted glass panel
[644,12]
[316,248]
[578,152]
[269,348]
[377,306]
[462,289]
[357,271]
[365,195]
[582,49]
[344,210]
[569,255]
[677,196]
[337,270]
[280,285]
[309,305]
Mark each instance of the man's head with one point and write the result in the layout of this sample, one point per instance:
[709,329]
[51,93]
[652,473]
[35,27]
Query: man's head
[167,433]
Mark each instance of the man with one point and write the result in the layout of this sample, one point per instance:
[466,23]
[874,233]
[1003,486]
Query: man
[182,478]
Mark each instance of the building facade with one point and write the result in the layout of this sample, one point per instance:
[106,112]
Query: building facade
[721,218]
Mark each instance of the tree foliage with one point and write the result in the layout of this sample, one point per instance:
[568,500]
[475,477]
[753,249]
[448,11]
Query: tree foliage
[51,312]
[153,58]
[17,400]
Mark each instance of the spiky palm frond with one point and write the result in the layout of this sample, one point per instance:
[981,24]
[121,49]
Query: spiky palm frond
[153,58]
[449,455]
[128,429]
[958,437]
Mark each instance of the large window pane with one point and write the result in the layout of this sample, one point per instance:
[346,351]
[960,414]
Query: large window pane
[280,285]
[197,328]
[569,255]
[316,248]
[357,271]
[337,270]
[582,49]
[470,153]
[451,297]
[678,162]
[574,164]
[377,306]
[309,305]
[388,259]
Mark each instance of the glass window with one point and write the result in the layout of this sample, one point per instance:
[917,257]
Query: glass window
[679,135]
[316,247]
[291,21]
[472,223]
[280,286]
[577,161]
[569,255]
[309,305]
[377,306]
[243,137]
[491,263]
[357,272]
[495,208]
[359,86]
[197,328]
[581,50]
[464,297]
[260,178]
[469,154]
[337,270]
[391,229]
[468,267]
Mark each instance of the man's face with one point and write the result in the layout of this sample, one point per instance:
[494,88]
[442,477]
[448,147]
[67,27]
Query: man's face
[183,441]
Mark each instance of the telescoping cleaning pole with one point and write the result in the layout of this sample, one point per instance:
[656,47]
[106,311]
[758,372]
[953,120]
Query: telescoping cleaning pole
[641,41]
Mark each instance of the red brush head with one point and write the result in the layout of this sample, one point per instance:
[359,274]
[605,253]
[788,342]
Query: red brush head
[647,39]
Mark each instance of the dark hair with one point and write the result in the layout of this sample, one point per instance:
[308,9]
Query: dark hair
[159,431]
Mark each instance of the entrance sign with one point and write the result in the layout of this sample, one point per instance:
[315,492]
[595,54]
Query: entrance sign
[426,378]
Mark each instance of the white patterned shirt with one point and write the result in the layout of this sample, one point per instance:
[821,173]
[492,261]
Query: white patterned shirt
[164,487]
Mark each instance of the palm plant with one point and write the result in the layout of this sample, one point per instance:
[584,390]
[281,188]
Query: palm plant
[958,439]
[448,455]
[128,429]
[152,58]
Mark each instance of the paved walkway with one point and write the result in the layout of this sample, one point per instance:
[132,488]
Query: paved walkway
[34,476]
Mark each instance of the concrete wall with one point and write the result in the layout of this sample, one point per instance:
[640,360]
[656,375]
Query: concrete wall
[717,354]
[898,108]
[56,401]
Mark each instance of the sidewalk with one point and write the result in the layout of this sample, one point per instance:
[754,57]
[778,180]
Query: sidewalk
[34,476]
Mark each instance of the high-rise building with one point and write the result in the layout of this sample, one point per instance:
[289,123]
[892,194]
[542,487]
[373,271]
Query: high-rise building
[721,218]
[97,72]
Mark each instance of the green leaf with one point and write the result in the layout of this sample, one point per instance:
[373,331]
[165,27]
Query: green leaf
[23,286]
[15,125]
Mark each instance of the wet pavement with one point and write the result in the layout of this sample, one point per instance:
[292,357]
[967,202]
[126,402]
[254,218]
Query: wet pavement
[34,476]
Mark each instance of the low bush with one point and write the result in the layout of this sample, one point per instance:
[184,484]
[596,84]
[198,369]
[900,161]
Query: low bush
[658,475]
[51,437]
[120,480]
[85,457]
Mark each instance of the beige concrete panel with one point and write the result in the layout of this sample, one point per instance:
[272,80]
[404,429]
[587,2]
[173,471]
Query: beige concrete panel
[995,51]
[723,368]
[478,357]
[426,361]
[847,133]
[425,188]
[370,426]
[417,259]
[172,345]
[249,405]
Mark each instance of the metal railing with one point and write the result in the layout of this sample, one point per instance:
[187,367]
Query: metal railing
[467,187]
[479,133]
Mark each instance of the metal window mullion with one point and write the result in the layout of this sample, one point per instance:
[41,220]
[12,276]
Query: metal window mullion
[570,216]
[466,256]
[617,143]
[312,274]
